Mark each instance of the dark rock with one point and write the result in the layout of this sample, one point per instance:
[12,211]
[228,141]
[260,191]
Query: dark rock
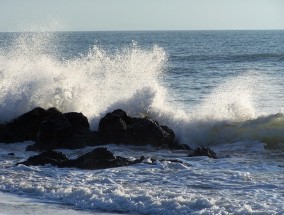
[81,139]
[48,157]
[145,131]
[52,132]
[203,151]
[117,127]
[170,132]
[77,120]
[99,158]
[112,128]
[51,129]
[177,146]
[24,127]
[11,154]
[69,130]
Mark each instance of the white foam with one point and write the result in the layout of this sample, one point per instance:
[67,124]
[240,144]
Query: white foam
[89,83]
[131,79]
[200,186]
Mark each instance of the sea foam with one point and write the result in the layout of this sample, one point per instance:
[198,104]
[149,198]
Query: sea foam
[33,73]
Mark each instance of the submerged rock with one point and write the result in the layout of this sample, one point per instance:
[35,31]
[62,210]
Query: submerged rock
[99,158]
[203,151]
[48,157]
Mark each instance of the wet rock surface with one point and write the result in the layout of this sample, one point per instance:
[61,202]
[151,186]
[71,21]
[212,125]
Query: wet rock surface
[99,158]
[203,151]
[51,129]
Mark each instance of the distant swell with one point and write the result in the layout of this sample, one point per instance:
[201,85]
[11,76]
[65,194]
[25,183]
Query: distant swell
[231,58]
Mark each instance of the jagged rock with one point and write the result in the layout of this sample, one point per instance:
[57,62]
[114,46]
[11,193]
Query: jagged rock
[51,129]
[77,120]
[118,127]
[68,130]
[99,158]
[176,146]
[24,127]
[51,133]
[203,151]
[48,157]
[112,127]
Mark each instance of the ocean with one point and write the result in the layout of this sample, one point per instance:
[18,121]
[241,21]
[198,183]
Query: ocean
[221,89]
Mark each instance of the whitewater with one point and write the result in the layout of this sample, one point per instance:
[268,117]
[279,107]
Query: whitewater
[222,89]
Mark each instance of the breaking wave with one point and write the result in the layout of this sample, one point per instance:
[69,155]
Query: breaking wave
[131,79]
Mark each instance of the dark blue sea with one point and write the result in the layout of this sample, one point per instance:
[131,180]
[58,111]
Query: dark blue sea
[222,89]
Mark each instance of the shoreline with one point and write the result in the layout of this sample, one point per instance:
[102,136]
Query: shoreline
[13,204]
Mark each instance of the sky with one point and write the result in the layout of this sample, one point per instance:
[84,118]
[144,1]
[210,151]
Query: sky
[113,15]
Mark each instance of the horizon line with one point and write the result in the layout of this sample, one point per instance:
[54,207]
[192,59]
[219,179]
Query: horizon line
[158,30]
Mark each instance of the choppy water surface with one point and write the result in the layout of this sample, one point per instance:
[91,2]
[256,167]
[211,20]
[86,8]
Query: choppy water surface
[222,89]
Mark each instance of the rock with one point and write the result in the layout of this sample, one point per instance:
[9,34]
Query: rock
[99,158]
[48,157]
[68,130]
[77,121]
[24,127]
[176,146]
[51,133]
[51,129]
[145,131]
[203,151]
[112,127]
[118,127]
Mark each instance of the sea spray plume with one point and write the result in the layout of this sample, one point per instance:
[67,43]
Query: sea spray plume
[88,83]
[118,77]
[24,70]
[215,120]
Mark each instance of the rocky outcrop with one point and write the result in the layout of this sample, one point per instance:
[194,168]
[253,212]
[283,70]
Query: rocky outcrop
[51,129]
[99,158]
[24,127]
[69,131]
[48,157]
[118,127]
[203,151]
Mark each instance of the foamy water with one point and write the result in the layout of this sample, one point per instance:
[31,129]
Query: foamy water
[228,100]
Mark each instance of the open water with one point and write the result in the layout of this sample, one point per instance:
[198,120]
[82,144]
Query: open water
[223,89]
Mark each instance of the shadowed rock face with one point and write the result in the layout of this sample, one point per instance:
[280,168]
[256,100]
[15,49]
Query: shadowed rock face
[99,158]
[51,129]
[118,127]
[203,151]
[48,157]
[24,127]
[69,130]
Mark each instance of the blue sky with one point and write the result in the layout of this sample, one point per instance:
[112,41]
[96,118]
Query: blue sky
[92,15]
